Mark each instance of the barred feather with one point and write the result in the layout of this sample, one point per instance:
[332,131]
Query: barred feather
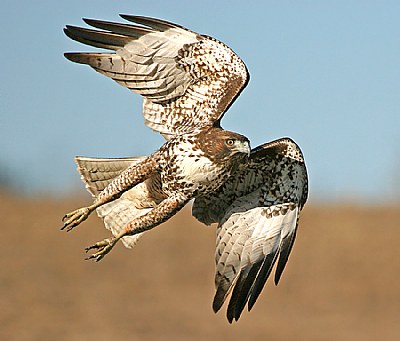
[188,81]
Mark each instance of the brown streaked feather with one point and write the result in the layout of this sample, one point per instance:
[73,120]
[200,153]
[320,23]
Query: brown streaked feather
[257,213]
[188,81]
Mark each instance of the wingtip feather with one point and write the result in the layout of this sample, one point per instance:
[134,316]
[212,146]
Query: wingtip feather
[73,57]
[286,248]
[154,23]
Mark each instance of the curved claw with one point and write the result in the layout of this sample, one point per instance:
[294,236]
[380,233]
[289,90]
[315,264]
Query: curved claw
[103,248]
[74,218]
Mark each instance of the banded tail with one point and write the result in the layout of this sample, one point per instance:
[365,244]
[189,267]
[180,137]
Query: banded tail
[97,173]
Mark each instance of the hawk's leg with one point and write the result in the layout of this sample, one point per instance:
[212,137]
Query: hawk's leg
[165,210]
[74,218]
[103,248]
[129,178]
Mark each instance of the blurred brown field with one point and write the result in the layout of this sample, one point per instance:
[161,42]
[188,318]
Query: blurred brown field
[342,281]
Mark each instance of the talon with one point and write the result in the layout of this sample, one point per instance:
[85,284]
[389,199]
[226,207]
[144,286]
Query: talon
[74,218]
[90,248]
[92,257]
[103,246]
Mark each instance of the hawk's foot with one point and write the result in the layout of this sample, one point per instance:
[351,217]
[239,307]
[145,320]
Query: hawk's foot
[103,248]
[74,218]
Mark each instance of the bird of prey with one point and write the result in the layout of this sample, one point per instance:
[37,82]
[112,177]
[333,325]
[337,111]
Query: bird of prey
[188,81]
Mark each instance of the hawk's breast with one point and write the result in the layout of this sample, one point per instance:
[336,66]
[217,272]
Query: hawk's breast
[198,169]
[190,170]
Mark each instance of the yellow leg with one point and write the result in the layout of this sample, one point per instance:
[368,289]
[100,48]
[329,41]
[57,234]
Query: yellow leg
[103,247]
[74,218]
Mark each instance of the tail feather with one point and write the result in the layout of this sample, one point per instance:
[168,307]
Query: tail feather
[97,173]
[117,214]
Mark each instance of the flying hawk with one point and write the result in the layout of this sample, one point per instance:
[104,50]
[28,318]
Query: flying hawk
[188,81]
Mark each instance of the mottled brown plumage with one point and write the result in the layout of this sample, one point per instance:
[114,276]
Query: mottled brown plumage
[188,81]
[257,210]
[184,167]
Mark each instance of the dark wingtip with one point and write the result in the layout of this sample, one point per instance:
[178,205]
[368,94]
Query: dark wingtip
[250,305]
[71,56]
[71,32]
[154,23]
[216,306]
[88,20]
[262,277]
[126,16]
[230,314]
[286,248]
[219,299]
[91,22]
[277,277]
[133,18]
[67,32]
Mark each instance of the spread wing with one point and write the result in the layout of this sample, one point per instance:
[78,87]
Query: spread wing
[187,80]
[257,212]
[97,173]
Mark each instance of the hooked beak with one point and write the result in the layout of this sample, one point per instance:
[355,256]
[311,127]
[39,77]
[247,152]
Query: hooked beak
[242,147]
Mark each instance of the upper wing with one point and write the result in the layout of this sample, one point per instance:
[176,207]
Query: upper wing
[187,80]
[257,211]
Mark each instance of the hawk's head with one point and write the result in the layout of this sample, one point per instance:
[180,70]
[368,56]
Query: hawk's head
[222,146]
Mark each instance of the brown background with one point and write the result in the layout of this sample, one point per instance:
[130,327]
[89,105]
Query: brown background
[342,281]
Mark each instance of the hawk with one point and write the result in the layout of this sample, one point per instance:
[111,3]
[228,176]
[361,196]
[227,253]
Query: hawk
[188,81]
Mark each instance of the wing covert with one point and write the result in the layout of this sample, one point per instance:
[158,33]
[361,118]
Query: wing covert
[187,80]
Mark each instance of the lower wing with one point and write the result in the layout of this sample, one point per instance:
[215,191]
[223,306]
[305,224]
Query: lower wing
[257,211]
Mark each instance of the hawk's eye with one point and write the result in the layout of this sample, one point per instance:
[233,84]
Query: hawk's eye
[230,142]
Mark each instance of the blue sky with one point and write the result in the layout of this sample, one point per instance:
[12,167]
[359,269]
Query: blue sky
[326,73]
